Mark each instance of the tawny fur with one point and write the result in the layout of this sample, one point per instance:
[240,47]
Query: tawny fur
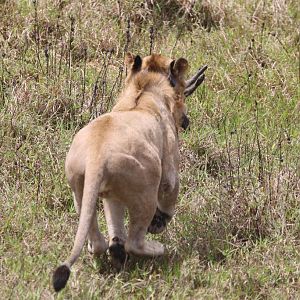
[130,158]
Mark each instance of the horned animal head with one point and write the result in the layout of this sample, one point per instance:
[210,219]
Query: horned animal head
[175,71]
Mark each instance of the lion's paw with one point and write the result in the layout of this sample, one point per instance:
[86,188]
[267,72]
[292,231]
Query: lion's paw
[117,253]
[159,222]
[97,247]
[147,248]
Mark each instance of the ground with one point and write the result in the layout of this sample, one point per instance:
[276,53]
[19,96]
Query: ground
[236,232]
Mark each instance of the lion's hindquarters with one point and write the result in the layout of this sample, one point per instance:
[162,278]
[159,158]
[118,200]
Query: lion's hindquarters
[131,174]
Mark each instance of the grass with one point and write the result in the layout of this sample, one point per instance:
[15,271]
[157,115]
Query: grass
[236,233]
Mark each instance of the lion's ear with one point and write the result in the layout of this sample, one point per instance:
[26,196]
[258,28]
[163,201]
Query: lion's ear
[180,66]
[128,58]
[177,70]
[137,64]
[133,62]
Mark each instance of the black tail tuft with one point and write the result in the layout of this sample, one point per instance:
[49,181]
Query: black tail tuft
[60,277]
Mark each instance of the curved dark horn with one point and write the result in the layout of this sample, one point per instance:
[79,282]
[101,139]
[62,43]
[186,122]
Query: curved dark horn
[190,89]
[195,77]
[195,81]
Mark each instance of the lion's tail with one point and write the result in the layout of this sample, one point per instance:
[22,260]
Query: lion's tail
[92,182]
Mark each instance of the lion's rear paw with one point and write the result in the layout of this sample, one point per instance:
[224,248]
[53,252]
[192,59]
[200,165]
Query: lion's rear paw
[97,247]
[159,222]
[148,248]
[117,253]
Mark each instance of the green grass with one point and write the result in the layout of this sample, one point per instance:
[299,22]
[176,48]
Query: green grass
[236,233]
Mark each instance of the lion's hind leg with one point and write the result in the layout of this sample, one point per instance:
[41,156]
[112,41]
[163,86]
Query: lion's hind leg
[141,212]
[114,213]
[96,241]
[97,244]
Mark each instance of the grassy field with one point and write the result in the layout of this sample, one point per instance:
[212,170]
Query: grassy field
[236,233]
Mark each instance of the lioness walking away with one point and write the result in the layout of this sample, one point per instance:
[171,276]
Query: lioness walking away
[130,158]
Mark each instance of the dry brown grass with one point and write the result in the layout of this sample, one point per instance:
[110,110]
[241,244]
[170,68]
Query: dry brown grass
[236,231]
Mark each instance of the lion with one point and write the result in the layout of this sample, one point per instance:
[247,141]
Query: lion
[130,158]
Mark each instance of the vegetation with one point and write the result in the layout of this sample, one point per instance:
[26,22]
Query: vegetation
[236,233]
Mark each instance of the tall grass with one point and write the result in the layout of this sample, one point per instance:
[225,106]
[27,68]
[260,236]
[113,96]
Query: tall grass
[237,226]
